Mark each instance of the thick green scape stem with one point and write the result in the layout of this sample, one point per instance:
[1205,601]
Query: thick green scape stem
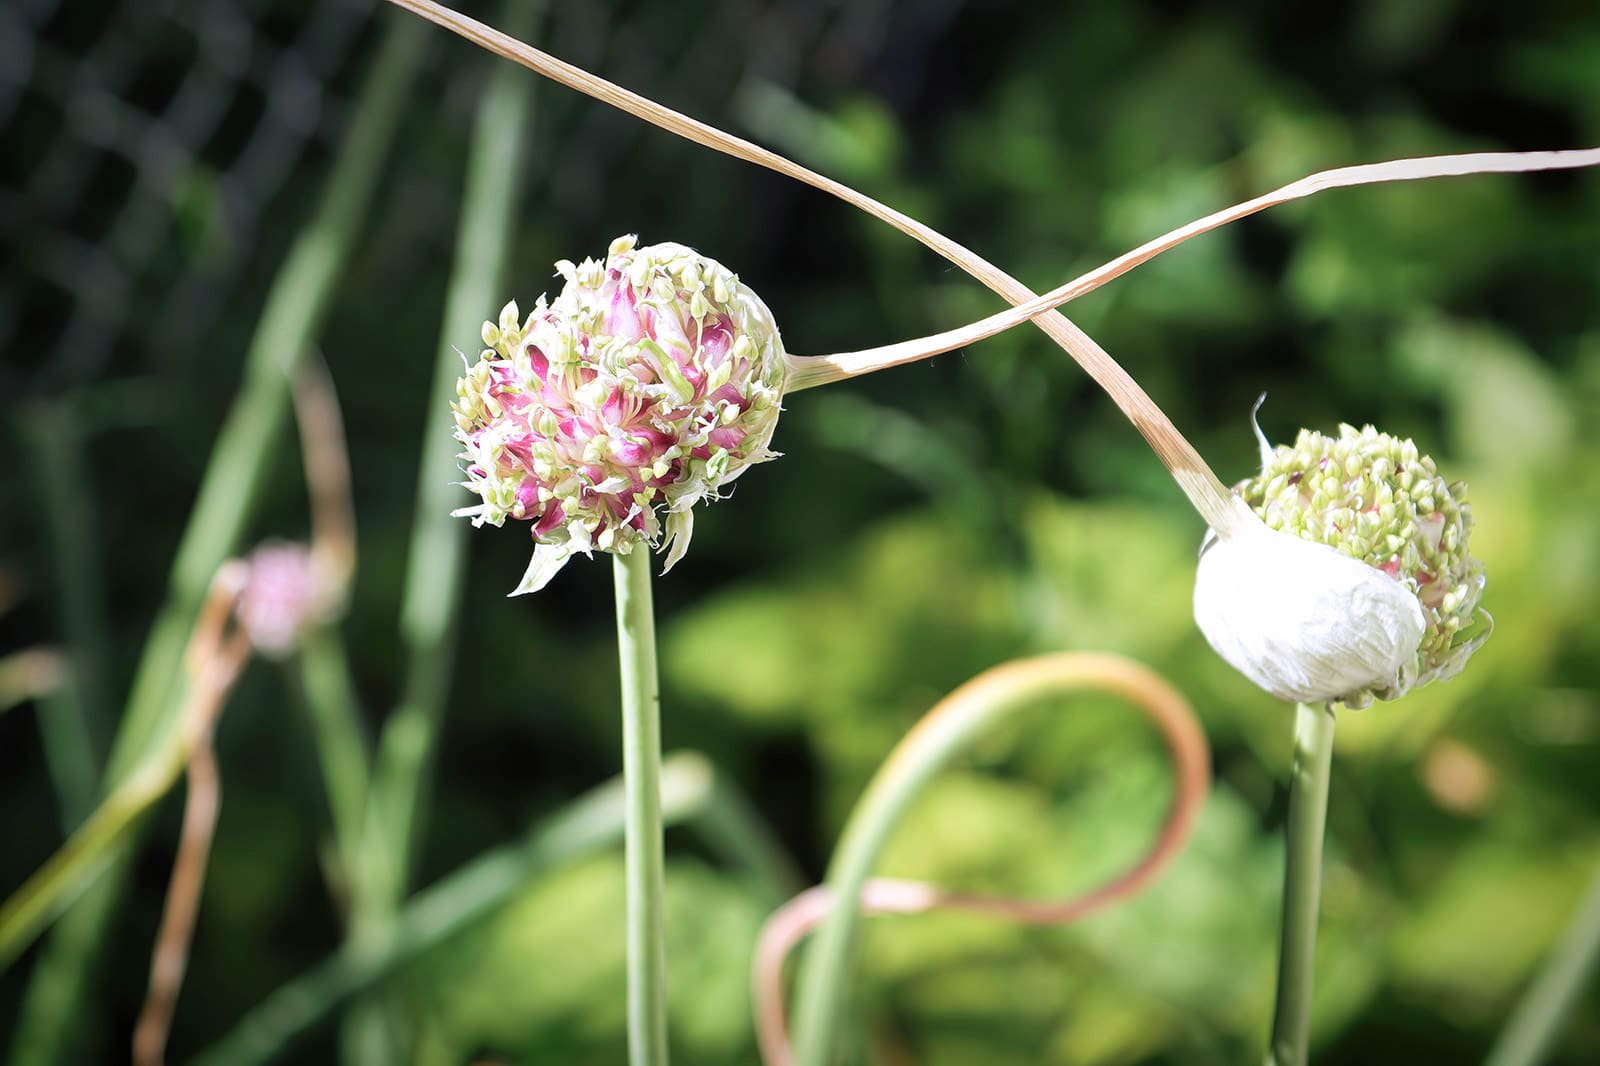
[1535,1025]
[294,311]
[641,771]
[1302,883]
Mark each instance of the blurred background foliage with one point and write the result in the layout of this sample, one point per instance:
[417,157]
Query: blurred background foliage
[924,524]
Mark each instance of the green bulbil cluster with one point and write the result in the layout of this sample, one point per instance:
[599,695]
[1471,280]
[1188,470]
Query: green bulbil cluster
[1375,498]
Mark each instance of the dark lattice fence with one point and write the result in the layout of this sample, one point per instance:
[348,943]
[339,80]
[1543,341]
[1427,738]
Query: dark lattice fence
[142,144]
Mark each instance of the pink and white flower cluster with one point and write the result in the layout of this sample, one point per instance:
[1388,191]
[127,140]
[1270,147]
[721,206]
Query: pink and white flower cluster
[652,380]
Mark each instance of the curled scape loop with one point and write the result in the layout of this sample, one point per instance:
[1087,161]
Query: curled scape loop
[927,748]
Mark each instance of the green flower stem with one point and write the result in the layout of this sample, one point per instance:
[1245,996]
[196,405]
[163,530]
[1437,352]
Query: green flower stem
[641,771]
[243,452]
[332,708]
[1536,1023]
[690,791]
[1302,882]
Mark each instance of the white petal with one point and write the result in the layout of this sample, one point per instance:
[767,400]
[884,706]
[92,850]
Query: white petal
[547,561]
[680,527]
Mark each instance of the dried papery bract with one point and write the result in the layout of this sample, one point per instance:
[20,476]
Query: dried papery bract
[1354,582]
[1302,621]
[650,382]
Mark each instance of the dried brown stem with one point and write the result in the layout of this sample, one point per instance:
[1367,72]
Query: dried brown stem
[327,464]
[851,364]
[216,654]
[997,688]
[30,674]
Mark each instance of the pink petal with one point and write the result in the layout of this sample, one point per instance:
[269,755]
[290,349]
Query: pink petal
[550,520]
[541,364]
[622,320]
[729,437]
[527,498]
[716,339]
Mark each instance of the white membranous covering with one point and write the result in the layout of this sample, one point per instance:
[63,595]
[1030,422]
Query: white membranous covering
[1352,581]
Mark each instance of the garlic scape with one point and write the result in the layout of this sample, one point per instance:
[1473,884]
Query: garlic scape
[1351,581]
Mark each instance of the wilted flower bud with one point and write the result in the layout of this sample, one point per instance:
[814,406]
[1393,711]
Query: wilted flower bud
[1357,586]
[650,382]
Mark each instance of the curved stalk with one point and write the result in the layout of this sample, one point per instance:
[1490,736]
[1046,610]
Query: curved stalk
[326,687]
[170,959]
[951,724]
[1302,882]
[643,849]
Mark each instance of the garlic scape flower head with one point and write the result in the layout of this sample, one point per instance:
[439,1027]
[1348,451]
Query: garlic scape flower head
[1353,582]
[652,380]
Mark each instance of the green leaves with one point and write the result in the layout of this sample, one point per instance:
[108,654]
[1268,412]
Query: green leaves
[544,972]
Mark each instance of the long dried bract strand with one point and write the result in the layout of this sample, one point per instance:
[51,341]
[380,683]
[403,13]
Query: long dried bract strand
[216,655]
[865,361]
[326,458]
[1191,472]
